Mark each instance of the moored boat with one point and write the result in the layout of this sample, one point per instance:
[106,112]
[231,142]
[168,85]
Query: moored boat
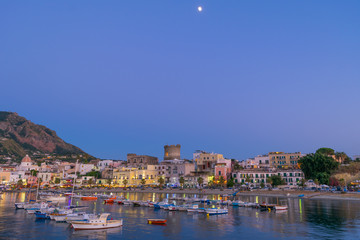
[156,221]
[216,211]
[88,198]
[281,208]
[97,223]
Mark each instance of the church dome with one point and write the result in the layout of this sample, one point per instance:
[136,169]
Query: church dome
[26,159]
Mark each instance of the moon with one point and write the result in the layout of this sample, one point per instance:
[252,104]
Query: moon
[199,8]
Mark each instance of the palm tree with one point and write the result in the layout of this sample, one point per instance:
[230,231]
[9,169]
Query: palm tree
[143,181]
[182,181]
[200,181]
[161,181]
[125,182]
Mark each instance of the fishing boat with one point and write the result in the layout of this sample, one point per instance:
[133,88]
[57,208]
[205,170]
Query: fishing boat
[88,198]
[156,221]
[41,215]
[216,211]
[97,223]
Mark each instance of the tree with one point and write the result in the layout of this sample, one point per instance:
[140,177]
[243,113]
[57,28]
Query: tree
[342,157]
[230,183]
[262,185]
[221,181]
[247,179]
[182,181]
[318,166]
[19,183]
[325,151]
[90,181]
[277,180]
[57,180]
[33,172]
[109,181]
[95,174]
[161,181]
[200,181]
[125,182]
[302,182]
[269,180]
[143,181]
[316,182]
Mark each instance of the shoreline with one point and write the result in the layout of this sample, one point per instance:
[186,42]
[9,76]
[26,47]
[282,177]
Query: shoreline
[262,193]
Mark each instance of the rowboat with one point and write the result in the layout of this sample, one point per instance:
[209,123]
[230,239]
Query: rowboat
[281,208]
[156,221]
[97,223]
[88,198]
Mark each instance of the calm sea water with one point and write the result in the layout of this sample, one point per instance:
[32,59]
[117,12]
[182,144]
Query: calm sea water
[305,219]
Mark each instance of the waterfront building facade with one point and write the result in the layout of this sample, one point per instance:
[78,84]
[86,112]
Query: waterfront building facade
[284,160]
[258,176]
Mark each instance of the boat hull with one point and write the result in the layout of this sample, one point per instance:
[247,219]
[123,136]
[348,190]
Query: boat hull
[89,226]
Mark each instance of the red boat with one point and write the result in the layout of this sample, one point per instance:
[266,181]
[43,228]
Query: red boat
[110,200]
[156,221]
[88,198]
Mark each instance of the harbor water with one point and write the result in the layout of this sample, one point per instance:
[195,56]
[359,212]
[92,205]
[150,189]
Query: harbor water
[305,219]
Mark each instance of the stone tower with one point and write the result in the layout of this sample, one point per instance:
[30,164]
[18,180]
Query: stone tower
[172,152]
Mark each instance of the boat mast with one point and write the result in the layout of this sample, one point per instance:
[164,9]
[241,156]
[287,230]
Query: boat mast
[72,193]
[37,190]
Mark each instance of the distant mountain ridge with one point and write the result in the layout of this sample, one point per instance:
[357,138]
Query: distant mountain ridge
[19,136]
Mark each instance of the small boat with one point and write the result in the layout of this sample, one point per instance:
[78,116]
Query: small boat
[194,208]
[88,198]
[301,195]
[136,204]
[40,215]
[216,211]
[110,200]
[281,208]
[20,205]
[156,221]
[266,206]
[172,208]
[97,223]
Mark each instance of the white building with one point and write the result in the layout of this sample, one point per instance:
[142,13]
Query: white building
[27,165]
[104,164]
[84,168]
[258,176]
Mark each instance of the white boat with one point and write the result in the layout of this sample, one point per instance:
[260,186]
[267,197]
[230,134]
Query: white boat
[74,217]
[216,211]
[281,208]
[97,223]
[56,198]
[193,208]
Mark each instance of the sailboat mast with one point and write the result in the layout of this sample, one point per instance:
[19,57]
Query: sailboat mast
[72,193]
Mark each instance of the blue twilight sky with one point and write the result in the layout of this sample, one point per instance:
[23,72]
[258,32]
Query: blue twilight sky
[240,78]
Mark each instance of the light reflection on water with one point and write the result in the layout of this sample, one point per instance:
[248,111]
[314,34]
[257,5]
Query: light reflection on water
[305,219]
